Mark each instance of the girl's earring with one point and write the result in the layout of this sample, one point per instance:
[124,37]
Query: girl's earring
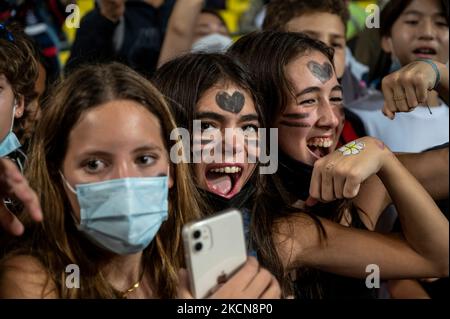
[15,106]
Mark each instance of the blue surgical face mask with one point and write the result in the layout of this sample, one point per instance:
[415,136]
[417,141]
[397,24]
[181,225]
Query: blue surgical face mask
[122,215]
[10,143]
[213,43]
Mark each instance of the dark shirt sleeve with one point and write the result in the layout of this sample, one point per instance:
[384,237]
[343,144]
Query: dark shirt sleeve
[93,42]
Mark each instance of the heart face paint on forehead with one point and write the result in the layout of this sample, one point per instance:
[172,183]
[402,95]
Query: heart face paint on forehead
[234,103]
[323,72]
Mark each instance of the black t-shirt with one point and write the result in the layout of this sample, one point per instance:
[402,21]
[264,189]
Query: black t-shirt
[136,40]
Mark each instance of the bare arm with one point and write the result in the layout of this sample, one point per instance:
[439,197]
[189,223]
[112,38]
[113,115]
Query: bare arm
[429,168]
[443,89]
[407,289]
[422,252]
[180,30]
[25,277]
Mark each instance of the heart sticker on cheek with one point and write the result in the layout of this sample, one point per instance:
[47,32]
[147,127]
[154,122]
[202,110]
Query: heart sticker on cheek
[234,103]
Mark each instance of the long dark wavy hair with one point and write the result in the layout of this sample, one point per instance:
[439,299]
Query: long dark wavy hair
[266,55]
[185,80]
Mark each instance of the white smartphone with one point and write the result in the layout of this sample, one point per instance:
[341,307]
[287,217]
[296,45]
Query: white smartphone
[214,249]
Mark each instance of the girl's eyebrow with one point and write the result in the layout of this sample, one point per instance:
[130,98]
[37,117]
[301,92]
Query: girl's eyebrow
[337,88]
[149,147]
[249,118]
[415,12]
[311,89]
[209,115]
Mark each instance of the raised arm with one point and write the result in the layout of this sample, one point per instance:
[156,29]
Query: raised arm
[94,39]
[416,80]
[180,30]
[422,251]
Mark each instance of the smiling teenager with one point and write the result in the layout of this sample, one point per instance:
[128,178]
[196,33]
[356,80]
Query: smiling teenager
[219,93]
[212,98]
[304,243]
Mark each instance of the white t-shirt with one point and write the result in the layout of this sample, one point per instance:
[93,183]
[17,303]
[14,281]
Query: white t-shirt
[409,132]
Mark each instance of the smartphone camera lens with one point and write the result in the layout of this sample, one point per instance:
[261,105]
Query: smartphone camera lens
[198,246]
[197,234]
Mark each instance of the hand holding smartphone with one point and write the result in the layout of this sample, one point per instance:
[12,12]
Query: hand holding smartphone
[214,249]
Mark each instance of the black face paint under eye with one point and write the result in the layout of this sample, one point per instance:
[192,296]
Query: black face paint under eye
[234,103]
[294,124]
[322,72]
[291,120]
[296,116]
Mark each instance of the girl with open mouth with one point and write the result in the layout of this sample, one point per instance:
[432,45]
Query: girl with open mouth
[215,90]
[310,245]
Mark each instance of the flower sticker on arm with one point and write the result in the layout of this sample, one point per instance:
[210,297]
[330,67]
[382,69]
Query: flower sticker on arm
[352,148]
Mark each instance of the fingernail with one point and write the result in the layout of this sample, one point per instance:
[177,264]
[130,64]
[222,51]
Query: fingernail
[311,202]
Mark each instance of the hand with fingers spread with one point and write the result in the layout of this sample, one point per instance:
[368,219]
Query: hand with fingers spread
[14,185]
[340,174]
[112,9]
[410,86]
[250,282]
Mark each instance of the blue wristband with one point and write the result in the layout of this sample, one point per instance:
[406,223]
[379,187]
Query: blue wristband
[436,70]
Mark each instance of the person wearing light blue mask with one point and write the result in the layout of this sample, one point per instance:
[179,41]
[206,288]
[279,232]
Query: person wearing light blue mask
[113,203]
[9,142]
[122,215]
[108,141]
[194,28]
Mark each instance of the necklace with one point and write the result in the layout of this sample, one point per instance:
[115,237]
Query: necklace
[133,287]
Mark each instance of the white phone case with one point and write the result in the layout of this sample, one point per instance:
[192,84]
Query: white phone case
[214,249]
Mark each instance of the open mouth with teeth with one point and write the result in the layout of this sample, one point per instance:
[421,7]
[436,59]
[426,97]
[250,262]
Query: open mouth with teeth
[425,52]
[223,180]
[320,146]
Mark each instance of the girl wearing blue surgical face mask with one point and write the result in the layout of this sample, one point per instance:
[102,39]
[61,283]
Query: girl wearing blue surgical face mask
[114,205]
[101,168]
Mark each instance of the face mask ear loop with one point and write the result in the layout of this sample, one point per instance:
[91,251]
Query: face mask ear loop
[168,173]
[13,115]
[67,183]
[77,222]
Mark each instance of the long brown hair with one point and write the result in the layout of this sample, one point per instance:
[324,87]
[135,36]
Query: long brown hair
[57,242]
[266,55]
[205,71]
